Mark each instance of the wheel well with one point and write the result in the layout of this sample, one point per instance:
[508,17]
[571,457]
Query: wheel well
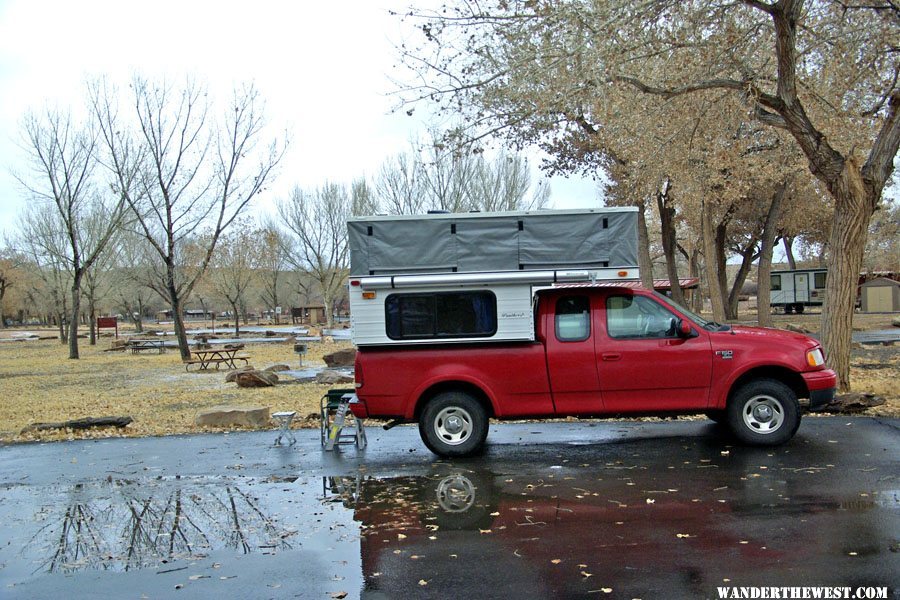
[792,379]
[454,386]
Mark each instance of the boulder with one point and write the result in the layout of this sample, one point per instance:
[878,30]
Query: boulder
[797,328]
[332,377]
[854,402]
[224,416]
[895,322]
[341,358]
[253,378]
[277,368]
[232,375]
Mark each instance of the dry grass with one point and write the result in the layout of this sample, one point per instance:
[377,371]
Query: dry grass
[38,384]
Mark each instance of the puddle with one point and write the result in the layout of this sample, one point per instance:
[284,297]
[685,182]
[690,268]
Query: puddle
[167,525]
[647,518]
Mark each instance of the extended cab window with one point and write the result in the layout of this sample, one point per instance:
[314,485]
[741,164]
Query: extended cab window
[441,315]
[573,318]
[638,317]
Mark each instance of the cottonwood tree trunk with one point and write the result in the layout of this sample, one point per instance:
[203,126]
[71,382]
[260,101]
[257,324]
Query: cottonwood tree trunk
[747,255]
[854,207]
[669,241]
[788,242]
[61,323]
[177,305]
[76,309]
[645,264]
[709,259]
[764,271]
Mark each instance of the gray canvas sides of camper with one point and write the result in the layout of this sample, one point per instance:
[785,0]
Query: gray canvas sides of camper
[470,277]
[794,290]
[478,242]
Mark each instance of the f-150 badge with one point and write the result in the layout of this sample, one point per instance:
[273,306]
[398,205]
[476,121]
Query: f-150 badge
[725,354]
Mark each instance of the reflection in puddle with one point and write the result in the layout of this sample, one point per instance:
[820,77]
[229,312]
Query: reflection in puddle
[567,529]
[122,525]
[568,533]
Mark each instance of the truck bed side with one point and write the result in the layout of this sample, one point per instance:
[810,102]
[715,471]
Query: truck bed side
[521,389]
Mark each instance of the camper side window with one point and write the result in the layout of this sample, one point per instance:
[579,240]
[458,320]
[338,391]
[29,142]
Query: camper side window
[819,280]
[776,283]
[440,315]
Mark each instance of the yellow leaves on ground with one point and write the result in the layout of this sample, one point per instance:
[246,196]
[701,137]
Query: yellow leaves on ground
[39,384]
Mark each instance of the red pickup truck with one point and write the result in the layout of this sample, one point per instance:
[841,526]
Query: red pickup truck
[599,350]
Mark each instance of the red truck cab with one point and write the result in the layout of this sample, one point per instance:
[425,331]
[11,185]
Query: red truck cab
[599,350]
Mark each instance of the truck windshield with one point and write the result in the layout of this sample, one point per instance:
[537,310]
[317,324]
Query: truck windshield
[690,315]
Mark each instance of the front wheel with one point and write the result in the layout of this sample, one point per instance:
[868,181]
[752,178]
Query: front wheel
[453,424]
[764,412]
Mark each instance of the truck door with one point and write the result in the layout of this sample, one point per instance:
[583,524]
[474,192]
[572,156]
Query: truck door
[571,363]
[642,362]
[801,287]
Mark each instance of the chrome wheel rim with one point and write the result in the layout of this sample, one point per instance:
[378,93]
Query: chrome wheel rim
[455,494]
[763,414]
[453,425]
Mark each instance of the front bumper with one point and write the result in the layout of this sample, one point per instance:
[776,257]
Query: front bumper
[821,386]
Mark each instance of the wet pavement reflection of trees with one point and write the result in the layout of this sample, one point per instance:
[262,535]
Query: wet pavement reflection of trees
[124,525]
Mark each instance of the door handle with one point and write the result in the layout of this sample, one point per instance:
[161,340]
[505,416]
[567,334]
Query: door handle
[611,356]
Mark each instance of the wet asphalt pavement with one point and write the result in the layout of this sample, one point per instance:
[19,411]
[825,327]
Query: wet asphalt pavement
[552,510]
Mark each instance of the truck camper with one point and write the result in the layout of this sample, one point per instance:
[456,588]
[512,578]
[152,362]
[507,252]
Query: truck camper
[460,318]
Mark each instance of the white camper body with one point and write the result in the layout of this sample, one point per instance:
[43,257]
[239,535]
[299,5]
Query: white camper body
[471,277]
[795,289]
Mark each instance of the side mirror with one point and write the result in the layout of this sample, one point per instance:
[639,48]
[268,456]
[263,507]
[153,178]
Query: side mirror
[684,328]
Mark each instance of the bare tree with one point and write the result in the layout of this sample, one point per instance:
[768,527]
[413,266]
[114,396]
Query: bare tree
[400,185]
[132,265]
[40,240]
[317,227]
[233,267]
[180,169]
[272,264]
[63,176]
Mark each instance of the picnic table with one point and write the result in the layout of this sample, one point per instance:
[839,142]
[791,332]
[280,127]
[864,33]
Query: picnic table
[208,357]
[138,346]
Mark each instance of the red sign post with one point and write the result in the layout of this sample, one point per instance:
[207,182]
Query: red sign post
[109,323]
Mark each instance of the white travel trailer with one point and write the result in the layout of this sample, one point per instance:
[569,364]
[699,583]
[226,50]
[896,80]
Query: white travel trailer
[794,290]
[471,277]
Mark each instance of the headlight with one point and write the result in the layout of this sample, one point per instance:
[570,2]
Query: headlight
[815,357]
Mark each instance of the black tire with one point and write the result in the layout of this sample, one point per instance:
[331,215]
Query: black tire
[788,309]
[764,412]
[799,308]
[453,424]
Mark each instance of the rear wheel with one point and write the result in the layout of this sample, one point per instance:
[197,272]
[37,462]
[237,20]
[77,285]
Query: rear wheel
[454,424]
[764,412]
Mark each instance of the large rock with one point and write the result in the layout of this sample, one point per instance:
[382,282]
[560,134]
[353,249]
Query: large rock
[231,377]
[332,377]
[277,368]
[896,322]
[250,379]
[224,416]
[341,358]
[797,328]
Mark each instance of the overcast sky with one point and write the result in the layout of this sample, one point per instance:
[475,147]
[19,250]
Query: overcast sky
[324,69]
